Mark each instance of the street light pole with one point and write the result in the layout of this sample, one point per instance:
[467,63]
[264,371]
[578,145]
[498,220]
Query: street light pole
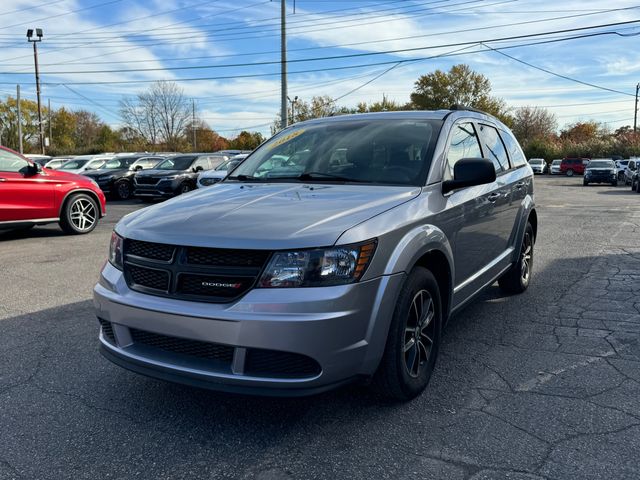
[35,41]
[19,119]
[635,112]
[283,64]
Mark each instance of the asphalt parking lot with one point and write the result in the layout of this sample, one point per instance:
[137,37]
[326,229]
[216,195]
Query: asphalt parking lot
[541,385]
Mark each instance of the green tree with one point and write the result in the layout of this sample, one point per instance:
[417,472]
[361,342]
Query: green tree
[459,86]
[246,141]
[9,123]
[63,132]
[385,105]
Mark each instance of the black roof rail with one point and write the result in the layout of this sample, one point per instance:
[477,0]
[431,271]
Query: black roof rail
[458,106]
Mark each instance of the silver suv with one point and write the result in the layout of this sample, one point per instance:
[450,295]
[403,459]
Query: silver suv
[335,252]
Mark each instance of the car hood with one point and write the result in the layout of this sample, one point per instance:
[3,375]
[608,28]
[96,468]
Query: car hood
[64,175]
[158,173]
[105,173]
[262,216]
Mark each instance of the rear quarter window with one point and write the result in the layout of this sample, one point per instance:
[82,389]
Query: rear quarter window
[513,148]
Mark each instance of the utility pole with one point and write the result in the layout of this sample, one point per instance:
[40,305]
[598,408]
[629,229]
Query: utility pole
[19,118]
[35,59]
[635,112]
[293,109]
[193,123]
[50,129]
[283,64]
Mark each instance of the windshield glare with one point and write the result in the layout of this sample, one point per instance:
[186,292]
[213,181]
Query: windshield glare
[176,163]
[379,151]
[73,164]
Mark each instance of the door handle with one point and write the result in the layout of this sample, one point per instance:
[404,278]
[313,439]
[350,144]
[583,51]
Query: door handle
[519,185]
[493,197]
[3,179]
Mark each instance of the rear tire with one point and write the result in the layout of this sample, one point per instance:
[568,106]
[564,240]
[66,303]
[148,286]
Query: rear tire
[414,339]
[569,173]
[518,277]
[615,184]
[80,214]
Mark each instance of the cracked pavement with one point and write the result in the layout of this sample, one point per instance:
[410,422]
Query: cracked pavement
[544,385]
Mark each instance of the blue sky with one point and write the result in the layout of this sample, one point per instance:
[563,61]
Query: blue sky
[90,46]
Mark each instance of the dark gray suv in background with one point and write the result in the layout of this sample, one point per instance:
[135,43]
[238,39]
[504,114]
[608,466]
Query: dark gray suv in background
[335,252]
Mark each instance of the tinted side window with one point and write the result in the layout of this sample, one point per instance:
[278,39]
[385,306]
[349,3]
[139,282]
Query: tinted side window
[464,144]
[515,152]
[12,163]
[494,148]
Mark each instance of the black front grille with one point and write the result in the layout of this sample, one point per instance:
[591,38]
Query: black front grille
[271,363]
[224,257]
[107,330]
[154,251]
[146,180]
[193,273]
[194,348]
[148,278]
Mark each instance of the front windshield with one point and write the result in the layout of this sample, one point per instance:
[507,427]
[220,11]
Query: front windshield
[176,163]
[601,164]
[380,151]
[95,164]
[556,162]
[73,164]
[535,161]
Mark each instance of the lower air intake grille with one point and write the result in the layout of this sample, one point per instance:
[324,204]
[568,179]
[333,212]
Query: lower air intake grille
[271,363]
[107,330]
[194,348]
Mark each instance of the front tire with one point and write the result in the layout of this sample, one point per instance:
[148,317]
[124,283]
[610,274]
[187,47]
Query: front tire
[517,278]
[569,173]
[80,214]
[586,184]
[123,189]
[185,188]
[413,340]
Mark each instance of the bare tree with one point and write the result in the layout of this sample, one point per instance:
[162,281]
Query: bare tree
[160,115]
[533,123]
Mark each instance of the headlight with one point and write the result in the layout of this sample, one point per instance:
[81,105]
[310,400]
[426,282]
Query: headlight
[115,251]
[170,177]
[318,268]
[209,181]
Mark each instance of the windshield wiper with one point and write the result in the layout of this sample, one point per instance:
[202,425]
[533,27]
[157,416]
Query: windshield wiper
[324,176]
[242,178]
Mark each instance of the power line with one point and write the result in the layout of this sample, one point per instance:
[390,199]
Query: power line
[347,56]
[32,22]
[600,87]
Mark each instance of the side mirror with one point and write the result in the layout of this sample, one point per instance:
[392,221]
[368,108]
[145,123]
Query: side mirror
[138,167]
[198,168]
[469,172]
[32,169]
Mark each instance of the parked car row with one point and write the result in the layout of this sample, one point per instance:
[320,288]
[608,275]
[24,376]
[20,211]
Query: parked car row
[570,166]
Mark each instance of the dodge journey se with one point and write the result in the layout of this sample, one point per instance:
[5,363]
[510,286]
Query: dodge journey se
[335,252]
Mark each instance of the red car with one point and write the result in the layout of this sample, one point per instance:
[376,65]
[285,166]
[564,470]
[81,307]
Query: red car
[30,195]
[571,166]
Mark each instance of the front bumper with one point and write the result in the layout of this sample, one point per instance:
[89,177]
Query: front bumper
[598,178]
[163,189]
[341,329]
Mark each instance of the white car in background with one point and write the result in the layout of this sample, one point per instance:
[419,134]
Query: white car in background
[621,166]
[83,163]
[538,165]
[555,167]
[56,162]
[630,170]
[211,177]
